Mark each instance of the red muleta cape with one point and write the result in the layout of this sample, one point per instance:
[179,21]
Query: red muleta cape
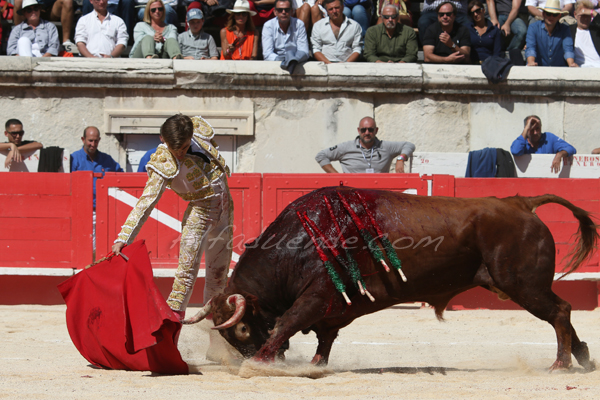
[118,319]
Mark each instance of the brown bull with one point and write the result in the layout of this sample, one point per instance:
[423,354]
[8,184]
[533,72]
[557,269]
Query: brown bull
[446,245]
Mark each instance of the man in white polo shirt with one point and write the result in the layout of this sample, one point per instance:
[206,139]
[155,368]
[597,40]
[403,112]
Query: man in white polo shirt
[586,35]
[101,34]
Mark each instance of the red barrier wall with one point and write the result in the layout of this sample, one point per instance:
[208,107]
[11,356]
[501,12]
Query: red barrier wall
[45,220]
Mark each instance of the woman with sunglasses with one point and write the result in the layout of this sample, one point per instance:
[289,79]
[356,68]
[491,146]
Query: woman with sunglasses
[33,37]
[153,38]
[238,38]
[486,40]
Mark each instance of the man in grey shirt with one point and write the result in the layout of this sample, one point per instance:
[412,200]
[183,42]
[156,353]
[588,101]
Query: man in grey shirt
[195,44]
[336,38]
[366,153]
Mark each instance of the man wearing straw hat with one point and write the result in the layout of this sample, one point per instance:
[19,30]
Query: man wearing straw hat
[549,43]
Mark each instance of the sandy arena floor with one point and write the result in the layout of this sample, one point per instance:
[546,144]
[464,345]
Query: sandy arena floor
[397,353]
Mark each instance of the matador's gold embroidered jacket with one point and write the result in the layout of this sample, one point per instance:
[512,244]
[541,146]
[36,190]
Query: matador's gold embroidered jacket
[190,179]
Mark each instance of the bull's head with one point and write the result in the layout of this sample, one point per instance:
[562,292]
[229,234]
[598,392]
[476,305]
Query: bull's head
[237,320]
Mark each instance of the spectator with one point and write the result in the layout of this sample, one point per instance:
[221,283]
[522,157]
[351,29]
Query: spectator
[359,11]
[195,44]
[586,35]
[309,12]
[263,9]
[535,8]
[146,157]
[170,11]
[447,42]
[210,8]
[405,15]
[391,41]
[336,38]
[485,36]
[101,34]
[238,38]
[54,10]
[89,158]
[16,145]
[284,38]
[533,141]
[505,15]
[366,153]
[124,9]
[429,15]
[34,37]
[152,37]
[549,43]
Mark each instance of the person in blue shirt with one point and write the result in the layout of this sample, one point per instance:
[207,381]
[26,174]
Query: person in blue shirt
[89,158]
[284,38]
[549,43]
[145,158]
[533,141]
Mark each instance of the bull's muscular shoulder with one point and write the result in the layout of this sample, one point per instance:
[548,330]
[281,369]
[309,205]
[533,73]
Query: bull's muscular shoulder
[163,162]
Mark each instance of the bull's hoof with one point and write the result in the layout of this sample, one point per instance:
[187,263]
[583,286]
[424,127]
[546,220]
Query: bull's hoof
[561,366]
[319,360]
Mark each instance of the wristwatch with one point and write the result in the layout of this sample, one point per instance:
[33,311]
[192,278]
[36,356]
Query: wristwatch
[453,45]
[401,157]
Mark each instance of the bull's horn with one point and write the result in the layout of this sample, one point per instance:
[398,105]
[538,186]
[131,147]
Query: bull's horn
[240,309]
[204,311]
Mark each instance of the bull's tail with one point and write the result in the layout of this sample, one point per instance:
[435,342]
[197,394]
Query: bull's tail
[587,233]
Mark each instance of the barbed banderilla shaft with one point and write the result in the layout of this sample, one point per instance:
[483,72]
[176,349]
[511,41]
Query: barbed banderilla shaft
[333,275]
[366,235]
[387,245]
[352,266]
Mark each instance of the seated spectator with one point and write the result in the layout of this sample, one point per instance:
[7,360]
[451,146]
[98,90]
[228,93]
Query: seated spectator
[391,41]
[210,8]
[309,12]
[6,14]
[405,15]
[505,15]
[359,11]
[101,34]
[124,9]
[238,38]
[170,11]
[264,11]
[485,37]
[586,35]
[195,44]
[16,145]
[336,38]
[429,15]
[284,38]
[53,10]
[533,141]
[152,37]
[535,8]
[34,37]
[447,42]
[549,43]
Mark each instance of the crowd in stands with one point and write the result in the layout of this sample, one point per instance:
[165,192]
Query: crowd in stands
[548,32]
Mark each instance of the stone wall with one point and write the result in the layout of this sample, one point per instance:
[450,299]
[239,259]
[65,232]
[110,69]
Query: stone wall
[282,121]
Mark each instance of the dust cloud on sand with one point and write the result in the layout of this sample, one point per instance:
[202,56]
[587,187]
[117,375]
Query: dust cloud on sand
[396,353]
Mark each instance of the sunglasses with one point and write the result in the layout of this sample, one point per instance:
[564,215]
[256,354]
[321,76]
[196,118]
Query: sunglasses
[551,14]
[389,16]
[477,11]
[363,130]
[280,10]
[17,133]
[445,14]
[153,10]
[32,9]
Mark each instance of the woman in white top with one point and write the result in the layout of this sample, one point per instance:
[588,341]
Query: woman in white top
[153,38]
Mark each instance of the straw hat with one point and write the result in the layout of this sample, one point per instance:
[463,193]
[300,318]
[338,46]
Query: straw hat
[553,7]
[27,3]
[242,6]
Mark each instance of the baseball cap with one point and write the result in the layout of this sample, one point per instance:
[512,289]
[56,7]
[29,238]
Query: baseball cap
[194,13]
